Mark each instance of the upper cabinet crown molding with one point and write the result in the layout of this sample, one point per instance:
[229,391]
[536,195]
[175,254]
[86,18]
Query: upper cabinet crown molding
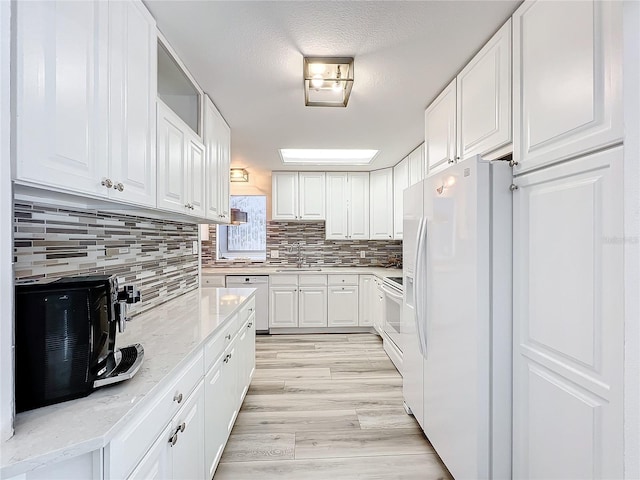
[567,80]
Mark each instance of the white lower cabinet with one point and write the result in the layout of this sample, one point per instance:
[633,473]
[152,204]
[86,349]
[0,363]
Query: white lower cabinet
[377,305]
[181,434]
[342,300]
[312,307]
[283,306]
[366,298]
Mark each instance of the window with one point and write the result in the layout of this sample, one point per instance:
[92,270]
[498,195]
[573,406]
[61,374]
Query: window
[246,241]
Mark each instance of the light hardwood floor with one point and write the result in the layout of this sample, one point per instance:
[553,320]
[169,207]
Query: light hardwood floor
[326,407]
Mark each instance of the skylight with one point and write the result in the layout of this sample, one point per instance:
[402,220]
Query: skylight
[326,156]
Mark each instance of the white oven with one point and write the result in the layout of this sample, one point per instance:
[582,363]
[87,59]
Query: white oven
[392,288]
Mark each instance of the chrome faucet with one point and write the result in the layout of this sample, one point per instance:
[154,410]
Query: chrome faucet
[299,260]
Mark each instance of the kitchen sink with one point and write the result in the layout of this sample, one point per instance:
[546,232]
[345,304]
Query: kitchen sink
[302,269]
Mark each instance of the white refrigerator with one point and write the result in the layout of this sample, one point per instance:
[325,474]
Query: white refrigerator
[457,315]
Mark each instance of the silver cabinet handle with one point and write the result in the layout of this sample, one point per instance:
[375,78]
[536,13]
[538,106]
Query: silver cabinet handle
[107,183]
[249,325]
[226,359]
[228,336]
[183,426]
[173,439]
[177,397]
[119,186]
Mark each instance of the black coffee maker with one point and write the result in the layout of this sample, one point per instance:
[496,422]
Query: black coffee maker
[65,333]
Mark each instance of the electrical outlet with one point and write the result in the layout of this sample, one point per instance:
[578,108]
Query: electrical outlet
[363,254]
[274,254]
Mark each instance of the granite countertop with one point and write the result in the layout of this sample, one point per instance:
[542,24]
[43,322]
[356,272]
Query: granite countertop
[272,270]
[169,333]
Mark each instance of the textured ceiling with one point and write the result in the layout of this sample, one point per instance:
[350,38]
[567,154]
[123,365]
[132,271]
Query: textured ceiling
[248,57]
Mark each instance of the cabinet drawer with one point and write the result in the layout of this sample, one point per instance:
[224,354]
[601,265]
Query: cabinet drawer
[213,281]
[128,446]
[343,279]
[283,280]
[247,310]
[313,280]
[216,346]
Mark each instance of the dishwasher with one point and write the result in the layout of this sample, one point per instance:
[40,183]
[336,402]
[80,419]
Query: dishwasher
[261,284]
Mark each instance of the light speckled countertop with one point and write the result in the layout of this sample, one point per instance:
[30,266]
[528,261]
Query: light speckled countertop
[272,270]
[169,333]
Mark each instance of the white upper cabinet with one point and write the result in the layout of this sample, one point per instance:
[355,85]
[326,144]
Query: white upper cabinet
[567,80]
[298,196]
[400,182]
[416,166]
[358,215]
[347,206]
[85,82]
[336,225]
[440,130]
[311,194]
[381,204]
[284,195]
[132,102]
[484,98]
[216,137]
[181,165]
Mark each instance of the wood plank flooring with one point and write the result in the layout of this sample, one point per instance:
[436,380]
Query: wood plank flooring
[322,407]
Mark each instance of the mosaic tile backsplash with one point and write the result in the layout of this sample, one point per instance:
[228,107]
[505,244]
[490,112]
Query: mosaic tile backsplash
[155,255]
[314,248]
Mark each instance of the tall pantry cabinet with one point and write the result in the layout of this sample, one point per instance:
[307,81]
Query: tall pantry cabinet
[568,268]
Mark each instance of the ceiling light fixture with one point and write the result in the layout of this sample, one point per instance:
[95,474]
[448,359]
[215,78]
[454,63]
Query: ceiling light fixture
[327,156]
[327,81]
[238,175]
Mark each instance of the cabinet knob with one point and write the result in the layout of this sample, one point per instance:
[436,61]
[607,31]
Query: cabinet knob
[177,397]
[183,426]
[119,186]
[451,160]
[513,187]
[107,183]
[249,325]
[226,359]
[173,439]
[228,336]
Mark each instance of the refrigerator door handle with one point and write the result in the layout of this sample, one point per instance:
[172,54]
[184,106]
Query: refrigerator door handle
[423,287]
[420,291]
[417,288]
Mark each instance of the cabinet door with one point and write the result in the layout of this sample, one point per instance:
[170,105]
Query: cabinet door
[195,177]
[484,97]
[400,182]
[311,188]
[212,162]
[216,415]
[366,303]
[343,306]
[378,307]
[416,165]
[440,130]
[249,358]
[172,161]
[62,94]
[156,464]
[313,307]
[132,103]
[569,320]
[567,80]
[358,215]
[188,451]
[381,204]
[283,307]
[337,197]
[284,197]
[224,162]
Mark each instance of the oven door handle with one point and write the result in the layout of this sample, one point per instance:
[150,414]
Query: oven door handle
[391,293]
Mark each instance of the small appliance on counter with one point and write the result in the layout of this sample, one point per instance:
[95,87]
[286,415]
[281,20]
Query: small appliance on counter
[65,338]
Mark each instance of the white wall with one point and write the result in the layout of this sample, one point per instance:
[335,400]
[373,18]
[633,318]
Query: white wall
[6,271]
[631,101]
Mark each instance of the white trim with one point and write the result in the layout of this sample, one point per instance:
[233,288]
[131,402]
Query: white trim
[6,235]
